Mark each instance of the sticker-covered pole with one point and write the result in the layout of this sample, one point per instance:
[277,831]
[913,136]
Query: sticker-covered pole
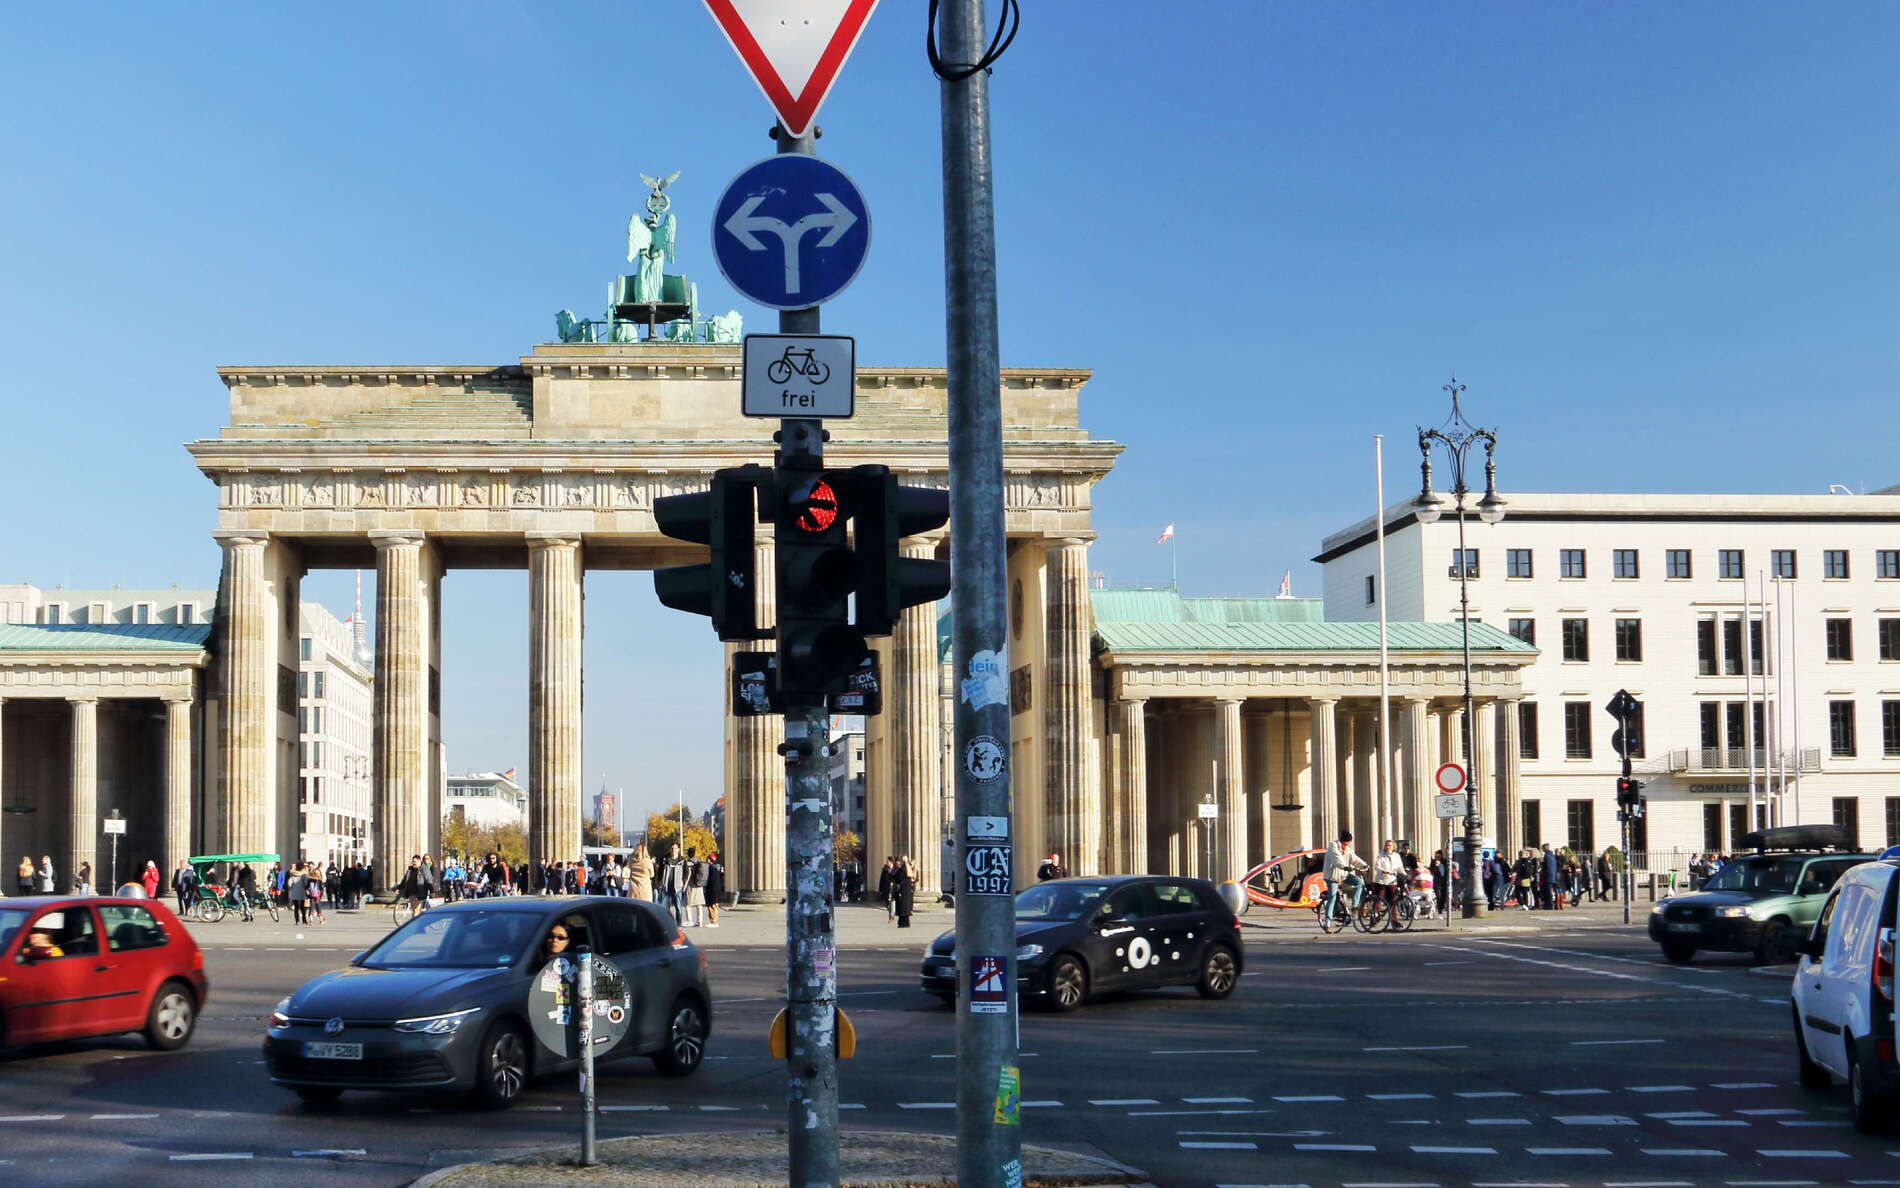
[989,1137]
[811,978]
[584,1003]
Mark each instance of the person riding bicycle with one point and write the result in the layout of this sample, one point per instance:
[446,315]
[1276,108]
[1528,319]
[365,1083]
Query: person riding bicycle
[1388,874]
[1342,867]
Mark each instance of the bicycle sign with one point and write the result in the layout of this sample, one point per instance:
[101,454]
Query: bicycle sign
[799,375]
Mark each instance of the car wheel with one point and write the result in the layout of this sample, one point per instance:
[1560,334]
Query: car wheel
[501,1071]
[1870,1108]
[1777,943]
[685,1046]
[1068,985]
[317,1095]
[173,1014]
[1220,973]
[1811,1075]
[1678,952]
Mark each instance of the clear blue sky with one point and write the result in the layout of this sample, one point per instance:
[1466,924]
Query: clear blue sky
[1657,241]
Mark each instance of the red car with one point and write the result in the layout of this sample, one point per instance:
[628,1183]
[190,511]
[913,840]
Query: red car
[73,966]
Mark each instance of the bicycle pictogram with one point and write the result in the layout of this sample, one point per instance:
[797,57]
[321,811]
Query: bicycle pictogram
[797,361]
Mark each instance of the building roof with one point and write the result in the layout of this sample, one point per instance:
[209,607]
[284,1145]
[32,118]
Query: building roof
[1165,605]
[1301,637]
[103,637]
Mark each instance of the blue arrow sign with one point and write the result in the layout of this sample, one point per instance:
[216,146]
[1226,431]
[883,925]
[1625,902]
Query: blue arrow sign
[791,231]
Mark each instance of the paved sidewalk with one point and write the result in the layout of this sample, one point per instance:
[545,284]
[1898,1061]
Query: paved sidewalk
[1505,920]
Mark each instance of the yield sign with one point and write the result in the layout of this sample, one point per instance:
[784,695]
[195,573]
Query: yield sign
[794,48]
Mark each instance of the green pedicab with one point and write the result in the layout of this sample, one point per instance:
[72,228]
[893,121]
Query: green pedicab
[215,901]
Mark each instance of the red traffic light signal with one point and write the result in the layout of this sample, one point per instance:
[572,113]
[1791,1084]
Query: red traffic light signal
[814,509]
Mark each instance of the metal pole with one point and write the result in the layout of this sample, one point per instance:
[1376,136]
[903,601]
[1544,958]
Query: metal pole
[811,954]
[1748,703]
[1386,813]
[584,1002]
[989,1138]
[1781,705]
[1794,697]
[1625,876]
[1474,886]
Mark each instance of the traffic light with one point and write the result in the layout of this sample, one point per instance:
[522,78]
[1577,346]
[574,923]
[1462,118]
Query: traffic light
[1629,792]
[817,646]
[887,512]
[721,517]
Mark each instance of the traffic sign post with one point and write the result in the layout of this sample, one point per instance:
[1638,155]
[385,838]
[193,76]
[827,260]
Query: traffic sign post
[578,1006]
[791,232]
[115,829]
[1627,740]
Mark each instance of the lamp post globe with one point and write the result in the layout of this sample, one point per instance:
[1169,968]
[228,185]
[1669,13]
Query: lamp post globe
[1491,508]
[1428,508]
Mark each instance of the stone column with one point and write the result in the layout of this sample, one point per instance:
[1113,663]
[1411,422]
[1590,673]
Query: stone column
[85,805]
[1364,817]
[1506,796]
[401,727]
[1133,777]
[1325,770]
[1484,735]
[1231,854]
[1416,778]
[177,801]
[554,696]
[910,701]
[756,830]
[1072,813]
[246,701]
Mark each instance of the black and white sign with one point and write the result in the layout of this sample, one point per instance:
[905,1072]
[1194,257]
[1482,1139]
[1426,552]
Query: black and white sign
[986,828]
[984,759]
[1451,804]
[799,375]
[986,870]
[114,824]
[1209,810]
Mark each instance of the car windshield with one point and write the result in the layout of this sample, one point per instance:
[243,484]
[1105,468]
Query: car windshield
[1059,901]
[10,921]
[459,940]
[1757,876]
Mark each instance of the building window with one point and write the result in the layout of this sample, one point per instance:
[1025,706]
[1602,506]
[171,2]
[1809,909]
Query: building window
[1527,730]
[1576,730]
[1712,829]
[1705,647]
[1629,639]
[1732,647]
[1639,837]
[1533,824]
[1781,563]
[98,612]
[1623,563]
[1581,817]
[316,688]
[1737,823]
[1517,563]
[1711,712]
[1893,820]
[1840,639]
[1737,730]
[1834,563]
[1890,639]
[54,612]
[1847,816]
[1728,563]
[303,716]
[187,612]
[1890,728]
[302,684]
[1471,563]
[1372,588]
[1526,629]
[1840,729]
[1570,563]
[1677,563]
[1887,563]
[1576,637]
[303,647]
[142,612]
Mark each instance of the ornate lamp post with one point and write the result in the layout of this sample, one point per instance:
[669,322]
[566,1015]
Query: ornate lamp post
[1458,435]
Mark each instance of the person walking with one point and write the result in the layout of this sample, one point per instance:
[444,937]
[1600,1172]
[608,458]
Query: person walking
[1606,876]
[1441,878]
[184,882]
[903,890]
[1051,868]
[313,892]
[279,884]
[82,881]
[715,888]
[23,875]
[1553,878]
[640,875]
[149,879]
[297,892]
[695,890]
[885,879]
[673,884]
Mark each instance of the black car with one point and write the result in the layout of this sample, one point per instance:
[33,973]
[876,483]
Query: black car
[1076,937]
[442,1002]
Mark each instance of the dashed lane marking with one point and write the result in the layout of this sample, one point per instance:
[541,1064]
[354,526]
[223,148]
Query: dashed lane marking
[33,1118]
[1773,1113]
[1658,1088]
[1417,1150]
[1313,1097]
[1421,1048]
[1610,1043]
[1699,1152]
[1213,1101]
[1204,1051]
[1681,1114]
[1595,1120]
[1332,1147]
[213,1155]
[120,1117]
[1568,1151]
[1709,1122]
[1122,1101]
[643,1109]
[1776,1153]
[1812,1122]
[1742,1085]
[1497,1121]
[1573,1092]
[1344,969]
[1211,1145]
[1475,1093]
[329,1153]
[926,1105]
[1400,1096]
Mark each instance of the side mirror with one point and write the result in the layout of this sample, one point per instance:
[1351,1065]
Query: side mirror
[358,959]
[1812,946]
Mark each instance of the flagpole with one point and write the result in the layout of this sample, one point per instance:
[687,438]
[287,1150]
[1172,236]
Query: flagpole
[1174,553]
[1383,811]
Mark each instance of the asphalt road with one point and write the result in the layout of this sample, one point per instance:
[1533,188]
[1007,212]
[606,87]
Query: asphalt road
[1569,1056]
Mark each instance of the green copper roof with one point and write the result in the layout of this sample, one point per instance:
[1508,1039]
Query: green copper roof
[1302,637]
[1168,606]
[103,637]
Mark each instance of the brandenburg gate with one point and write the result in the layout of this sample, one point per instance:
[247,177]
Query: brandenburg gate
[552,465]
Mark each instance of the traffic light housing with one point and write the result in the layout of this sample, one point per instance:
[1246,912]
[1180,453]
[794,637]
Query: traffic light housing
[1629,792]
[817,646]
[888,582]
[723,588]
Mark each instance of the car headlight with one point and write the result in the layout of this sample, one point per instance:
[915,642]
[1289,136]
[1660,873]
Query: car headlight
[280,1014]
[1732,912]
[436,1024]
[1025,952]
[1657,910]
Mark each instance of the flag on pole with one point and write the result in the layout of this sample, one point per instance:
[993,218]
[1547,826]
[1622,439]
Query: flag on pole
[1286,585]
[1167,534]
[509,774]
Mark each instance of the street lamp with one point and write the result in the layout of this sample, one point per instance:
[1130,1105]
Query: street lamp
[1458,435]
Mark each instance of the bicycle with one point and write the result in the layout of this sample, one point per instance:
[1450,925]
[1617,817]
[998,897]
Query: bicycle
[1341,913]
[797,362]
[404,910]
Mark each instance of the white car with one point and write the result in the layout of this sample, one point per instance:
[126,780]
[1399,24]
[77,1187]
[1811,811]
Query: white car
[1843,993]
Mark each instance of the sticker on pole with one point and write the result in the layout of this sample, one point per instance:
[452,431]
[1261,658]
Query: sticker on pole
[793,49]
[986,870]
[989,986]
[1450,778]
[1009,1095]
[985,683]
[986,828]
[799,375]
[985,759]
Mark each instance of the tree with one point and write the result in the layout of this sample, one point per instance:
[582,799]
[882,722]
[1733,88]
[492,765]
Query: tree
[471,842]
[594,833]
[663,829]
[846,847]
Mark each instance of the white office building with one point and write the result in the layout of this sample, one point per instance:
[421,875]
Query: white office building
[1650,593]
[334,738]
[847,781]
[57,606]
[487,799]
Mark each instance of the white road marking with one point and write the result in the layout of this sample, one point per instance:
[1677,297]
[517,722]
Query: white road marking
[1812,1122]
[642,1109]
[1204,1052]
[1682,1114]
[328,1152]
[1497,1121]
[33,1118]
[926,1105]
[710,1109]
[1122,1101]
[1400,1096]
[1697,1151]
[1448,963]
[1610,1043]
[1659,1088]
[1313,1097]
[120,1117]
[214,1155]
[1344,969]
[1743,1085]
[1572,1092]
[1030,1105]
[543,1109]
[1332,1147]
[1595,1120]
[1416,1150]
[1771,1153]
[1189,1113]
[1214,1101]
[1568,1150]
[1198,1145]
[1709,1122]
[1488,1093]
[855,1105]
[1496,954]
[1421,1048]
[1771,1113]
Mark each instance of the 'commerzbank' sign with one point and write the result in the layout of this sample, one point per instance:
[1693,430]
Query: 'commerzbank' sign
[1732,789]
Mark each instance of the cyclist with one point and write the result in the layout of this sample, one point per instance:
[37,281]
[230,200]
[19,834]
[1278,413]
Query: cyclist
[1342,867]
[1388,875]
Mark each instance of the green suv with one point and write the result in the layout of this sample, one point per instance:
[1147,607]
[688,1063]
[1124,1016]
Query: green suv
[1761,903]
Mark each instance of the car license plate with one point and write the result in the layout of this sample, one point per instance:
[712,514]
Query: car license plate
[319,1051]
[1682,926]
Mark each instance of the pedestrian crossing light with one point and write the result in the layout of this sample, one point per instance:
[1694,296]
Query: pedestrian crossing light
[817,646]
[1629,793]
[887,581]
[723,588]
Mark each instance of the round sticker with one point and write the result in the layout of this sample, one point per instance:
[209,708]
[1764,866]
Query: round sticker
[984,759]
[1139,952]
